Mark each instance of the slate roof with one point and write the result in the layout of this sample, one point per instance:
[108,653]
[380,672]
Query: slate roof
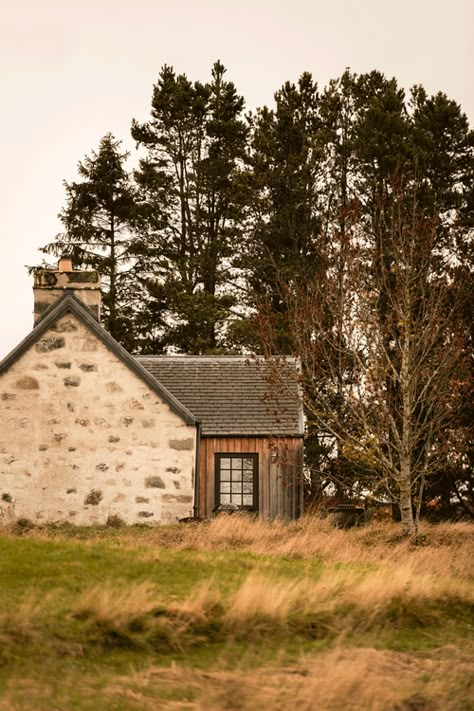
[228,394]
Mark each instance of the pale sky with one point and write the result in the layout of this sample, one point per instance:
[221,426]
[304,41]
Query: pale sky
[71,70]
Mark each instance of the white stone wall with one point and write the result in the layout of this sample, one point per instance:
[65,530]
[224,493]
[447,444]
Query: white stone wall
[82,438]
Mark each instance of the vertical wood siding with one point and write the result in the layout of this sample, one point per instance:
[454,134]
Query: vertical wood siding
[280,473]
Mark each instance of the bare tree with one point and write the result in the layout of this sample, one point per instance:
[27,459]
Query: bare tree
[382,360]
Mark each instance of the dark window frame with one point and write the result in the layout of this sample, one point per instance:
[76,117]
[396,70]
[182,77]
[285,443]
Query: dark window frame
[218,457]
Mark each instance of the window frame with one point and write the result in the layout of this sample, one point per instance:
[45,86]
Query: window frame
[218,457]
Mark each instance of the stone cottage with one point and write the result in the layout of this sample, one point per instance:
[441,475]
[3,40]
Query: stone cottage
[89,431]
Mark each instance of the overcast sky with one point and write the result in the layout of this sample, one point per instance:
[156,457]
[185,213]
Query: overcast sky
[71,70]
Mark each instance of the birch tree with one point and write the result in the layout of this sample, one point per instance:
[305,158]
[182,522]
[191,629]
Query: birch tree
[383,385]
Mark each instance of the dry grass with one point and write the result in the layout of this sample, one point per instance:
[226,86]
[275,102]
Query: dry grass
[110,606]
[339,602]
[22,623]
[307,538]
[362,679]
[441,549]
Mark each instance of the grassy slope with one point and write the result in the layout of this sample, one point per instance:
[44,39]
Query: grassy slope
[236,614]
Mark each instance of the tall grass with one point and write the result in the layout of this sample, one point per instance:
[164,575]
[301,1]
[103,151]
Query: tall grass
[372,583]
[111,605]
[340,680]
[22,622]
[440,549]
[338,603]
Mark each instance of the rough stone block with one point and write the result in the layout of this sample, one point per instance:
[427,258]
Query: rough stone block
[154,482]
[176,498]
[112,387]
[27,383]
[94,497]
[45,345]
[46,277]
[182,444]
[72,381]
[66,326]
[41,306]
[76,277]
[134,404]
[88,345]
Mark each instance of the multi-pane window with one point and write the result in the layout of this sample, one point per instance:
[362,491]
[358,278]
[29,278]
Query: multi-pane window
[237,480]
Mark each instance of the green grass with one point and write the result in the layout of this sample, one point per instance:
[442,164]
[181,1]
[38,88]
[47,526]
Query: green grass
[140,618]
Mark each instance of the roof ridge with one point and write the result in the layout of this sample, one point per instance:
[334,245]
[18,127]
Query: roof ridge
[186,356]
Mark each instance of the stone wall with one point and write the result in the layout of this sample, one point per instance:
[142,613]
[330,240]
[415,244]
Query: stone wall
[82,438]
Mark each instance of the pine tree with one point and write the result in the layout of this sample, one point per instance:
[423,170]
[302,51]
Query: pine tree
[286,219]
[191,208]
[97,219]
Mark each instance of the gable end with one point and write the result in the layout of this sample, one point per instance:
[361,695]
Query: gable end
[69,303]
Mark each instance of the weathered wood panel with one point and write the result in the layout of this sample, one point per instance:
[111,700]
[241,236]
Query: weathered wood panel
[280,473]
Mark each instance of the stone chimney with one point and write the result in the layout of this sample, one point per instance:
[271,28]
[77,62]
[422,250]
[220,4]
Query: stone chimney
[51,284]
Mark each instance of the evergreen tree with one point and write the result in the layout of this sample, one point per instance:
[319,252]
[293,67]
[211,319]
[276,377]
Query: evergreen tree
[97,218]
[286,226]
[191,208]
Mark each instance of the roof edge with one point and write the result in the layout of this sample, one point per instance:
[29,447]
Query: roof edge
[257,435]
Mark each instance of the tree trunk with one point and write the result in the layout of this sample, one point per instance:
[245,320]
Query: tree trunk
[406,511]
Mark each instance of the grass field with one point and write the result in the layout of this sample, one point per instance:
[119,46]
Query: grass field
[237,614]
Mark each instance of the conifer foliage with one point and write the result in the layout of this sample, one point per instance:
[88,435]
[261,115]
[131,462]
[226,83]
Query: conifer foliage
[191,207]
[97,219]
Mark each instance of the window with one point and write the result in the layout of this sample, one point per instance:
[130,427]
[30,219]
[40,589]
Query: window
[237,480]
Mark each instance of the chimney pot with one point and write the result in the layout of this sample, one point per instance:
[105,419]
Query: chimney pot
[65,264]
